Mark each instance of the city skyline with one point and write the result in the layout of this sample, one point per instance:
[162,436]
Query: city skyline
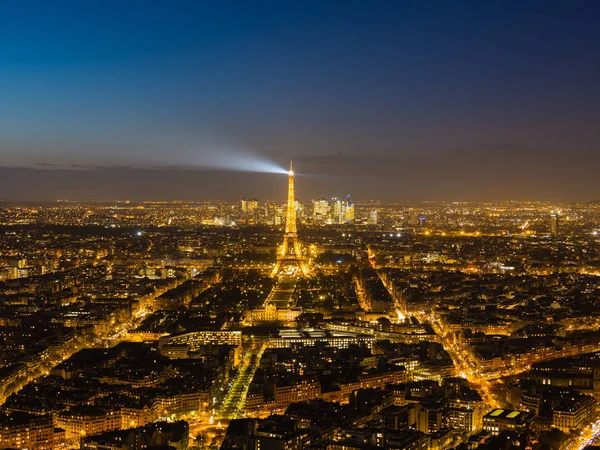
[460,179]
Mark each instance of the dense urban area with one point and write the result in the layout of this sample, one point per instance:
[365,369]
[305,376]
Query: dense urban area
[179,325]
[299,225]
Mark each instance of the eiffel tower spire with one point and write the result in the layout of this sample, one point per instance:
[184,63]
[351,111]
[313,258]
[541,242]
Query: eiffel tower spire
[290,223]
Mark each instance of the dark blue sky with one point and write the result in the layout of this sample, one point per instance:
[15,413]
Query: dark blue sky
[423,99]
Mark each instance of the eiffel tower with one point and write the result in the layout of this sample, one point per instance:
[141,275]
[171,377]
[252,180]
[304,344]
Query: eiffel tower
[289,256]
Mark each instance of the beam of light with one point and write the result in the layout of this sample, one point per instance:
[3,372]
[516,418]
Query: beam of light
[238,161]
[179,152]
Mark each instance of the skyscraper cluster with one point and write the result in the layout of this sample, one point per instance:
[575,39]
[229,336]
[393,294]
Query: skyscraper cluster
[336,211]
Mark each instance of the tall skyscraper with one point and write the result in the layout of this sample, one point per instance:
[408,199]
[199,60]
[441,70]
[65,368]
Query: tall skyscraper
[336,210]
[251,205]
[289,256]
[372,219]
[554,224]
[348,208]
[299,209]
[320,210]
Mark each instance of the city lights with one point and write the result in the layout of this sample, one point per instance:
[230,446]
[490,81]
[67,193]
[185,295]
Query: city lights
[425,276]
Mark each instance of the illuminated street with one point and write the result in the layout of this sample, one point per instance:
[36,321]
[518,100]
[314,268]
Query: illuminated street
[465,367]
[233,404]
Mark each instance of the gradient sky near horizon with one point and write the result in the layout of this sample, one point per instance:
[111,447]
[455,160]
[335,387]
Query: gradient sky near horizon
[407,100]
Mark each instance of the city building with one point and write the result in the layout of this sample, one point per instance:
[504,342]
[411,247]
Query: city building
[270,313]
[27,431]
[500,420]
[554,224]
[372,220]
[321,213]
[164,435]
[337,339]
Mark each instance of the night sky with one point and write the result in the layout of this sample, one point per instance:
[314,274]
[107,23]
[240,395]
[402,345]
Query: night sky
[399,100]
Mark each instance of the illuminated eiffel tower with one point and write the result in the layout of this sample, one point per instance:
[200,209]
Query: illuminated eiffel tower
[289,256]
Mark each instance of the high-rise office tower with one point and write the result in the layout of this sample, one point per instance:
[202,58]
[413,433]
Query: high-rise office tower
[337,213]
[554,224]
[320,210]
[372,219]
[348,208]
[251,205]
